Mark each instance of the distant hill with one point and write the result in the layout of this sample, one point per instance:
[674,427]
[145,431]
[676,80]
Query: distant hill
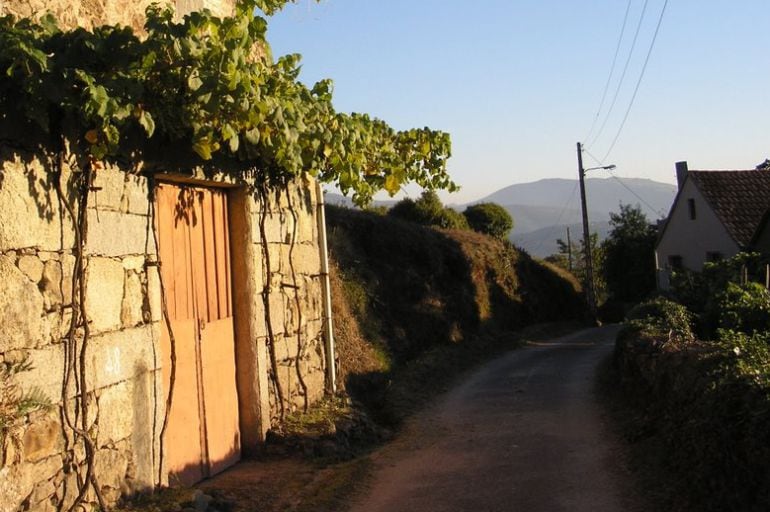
[543,209]
[542,242]
[602,194]
[534,218]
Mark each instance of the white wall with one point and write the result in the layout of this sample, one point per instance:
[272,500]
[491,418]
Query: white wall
[690,238]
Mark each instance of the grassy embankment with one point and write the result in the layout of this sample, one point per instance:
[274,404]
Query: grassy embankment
[416,306]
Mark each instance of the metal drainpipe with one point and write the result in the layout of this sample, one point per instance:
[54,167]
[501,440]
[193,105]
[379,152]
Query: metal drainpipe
[331,370]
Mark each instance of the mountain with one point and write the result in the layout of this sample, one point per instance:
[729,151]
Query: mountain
[542,242]
[534,218]
[602,194]
[543,209]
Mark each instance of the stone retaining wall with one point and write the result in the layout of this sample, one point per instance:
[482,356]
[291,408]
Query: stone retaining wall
[123,368]
[93,13]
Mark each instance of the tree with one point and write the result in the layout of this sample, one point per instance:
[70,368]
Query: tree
[578,267]
[629,255]
[490,219]
[428,210]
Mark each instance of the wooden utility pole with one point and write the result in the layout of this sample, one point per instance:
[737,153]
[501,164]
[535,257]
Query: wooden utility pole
[569,250]
[589,270]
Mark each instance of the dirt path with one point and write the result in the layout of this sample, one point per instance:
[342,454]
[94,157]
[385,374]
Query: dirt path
[523,433]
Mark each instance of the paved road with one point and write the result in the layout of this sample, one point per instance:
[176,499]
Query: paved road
[524,433]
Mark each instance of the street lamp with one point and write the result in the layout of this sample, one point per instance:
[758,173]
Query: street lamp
[589,265]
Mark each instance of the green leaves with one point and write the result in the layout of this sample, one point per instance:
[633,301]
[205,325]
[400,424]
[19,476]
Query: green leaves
[209,82]
[147,122]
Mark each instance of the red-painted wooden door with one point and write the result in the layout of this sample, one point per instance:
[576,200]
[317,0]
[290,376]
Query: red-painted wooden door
[203,436]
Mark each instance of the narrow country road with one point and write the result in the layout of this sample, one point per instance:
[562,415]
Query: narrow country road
[523,433]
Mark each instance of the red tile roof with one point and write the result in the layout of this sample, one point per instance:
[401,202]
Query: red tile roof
[739,198]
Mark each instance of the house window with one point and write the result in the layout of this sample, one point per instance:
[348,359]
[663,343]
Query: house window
[675,262]
[691,207]
[713,256]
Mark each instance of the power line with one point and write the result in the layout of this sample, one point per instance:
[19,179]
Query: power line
[622,76]
[648,205]
[612,71]
[652,208]
[638,82]
[592,156]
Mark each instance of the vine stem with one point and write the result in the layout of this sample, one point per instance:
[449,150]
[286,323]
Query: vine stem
[75,362]
[298,304]
[263,196]
[172,339]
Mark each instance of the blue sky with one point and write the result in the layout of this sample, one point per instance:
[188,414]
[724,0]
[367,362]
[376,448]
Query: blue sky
[518,82]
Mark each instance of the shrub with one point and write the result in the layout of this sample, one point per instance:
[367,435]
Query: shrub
[744,308]
[662,317]
[696,290]
[752,354]
[700,414]
[490,219]
[429,211]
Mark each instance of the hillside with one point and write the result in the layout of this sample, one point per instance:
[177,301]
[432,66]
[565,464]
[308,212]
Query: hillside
[542,210]
[542,242]
[602,194]
[409,289]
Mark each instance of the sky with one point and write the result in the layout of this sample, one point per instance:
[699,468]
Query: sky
[517,83]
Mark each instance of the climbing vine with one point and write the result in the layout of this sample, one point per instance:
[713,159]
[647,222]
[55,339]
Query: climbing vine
[207,84]
[208,87]
[80,422]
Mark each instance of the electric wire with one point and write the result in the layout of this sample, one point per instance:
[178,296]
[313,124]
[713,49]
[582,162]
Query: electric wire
[638,82]
[648,205]
[592,156]
[612,72]
[622,75]
[625,185]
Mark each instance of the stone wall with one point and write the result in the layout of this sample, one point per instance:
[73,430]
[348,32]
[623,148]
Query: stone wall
[93,13]
[36,265]
[295,306]
[123,363]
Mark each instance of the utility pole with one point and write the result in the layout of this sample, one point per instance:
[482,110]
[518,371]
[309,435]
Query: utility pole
[589,264]
[569,250]
[589,277]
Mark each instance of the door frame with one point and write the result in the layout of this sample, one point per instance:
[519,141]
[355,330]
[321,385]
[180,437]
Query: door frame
[250,338]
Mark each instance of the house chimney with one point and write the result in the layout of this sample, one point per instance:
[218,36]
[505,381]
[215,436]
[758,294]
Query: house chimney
[681,173]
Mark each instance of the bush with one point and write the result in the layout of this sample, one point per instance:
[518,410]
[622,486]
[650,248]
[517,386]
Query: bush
[661,317]
[700,415]
[743,308]
[718,302]
[490,219]
[752,354]
[428,211]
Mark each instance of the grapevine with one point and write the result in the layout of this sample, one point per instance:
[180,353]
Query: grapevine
[205,85]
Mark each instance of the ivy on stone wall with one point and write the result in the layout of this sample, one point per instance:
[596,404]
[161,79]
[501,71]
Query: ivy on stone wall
[207,84]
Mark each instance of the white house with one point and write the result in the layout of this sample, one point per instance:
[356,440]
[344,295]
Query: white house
[715,215]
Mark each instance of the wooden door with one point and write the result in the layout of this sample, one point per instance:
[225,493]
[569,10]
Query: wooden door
[203,436]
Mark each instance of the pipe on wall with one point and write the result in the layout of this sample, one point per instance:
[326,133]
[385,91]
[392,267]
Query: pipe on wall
[331,369]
